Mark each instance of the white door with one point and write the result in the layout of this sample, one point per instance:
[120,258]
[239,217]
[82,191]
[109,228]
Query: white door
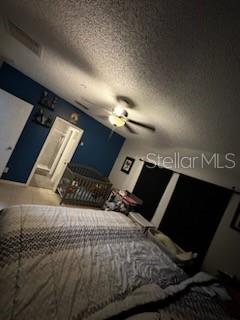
[14,113]
[64,142]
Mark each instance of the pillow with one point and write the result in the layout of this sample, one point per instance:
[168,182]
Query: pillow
[168,243]
[185,256]
[173,248]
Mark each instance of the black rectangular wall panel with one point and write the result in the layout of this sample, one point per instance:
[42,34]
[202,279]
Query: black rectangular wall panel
[150,187]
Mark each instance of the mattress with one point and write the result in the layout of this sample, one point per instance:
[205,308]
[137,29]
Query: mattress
[65,263]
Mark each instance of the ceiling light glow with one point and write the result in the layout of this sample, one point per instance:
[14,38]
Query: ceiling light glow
[118,110]
[116,121]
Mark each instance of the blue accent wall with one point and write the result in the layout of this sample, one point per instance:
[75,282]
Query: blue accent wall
[98,151]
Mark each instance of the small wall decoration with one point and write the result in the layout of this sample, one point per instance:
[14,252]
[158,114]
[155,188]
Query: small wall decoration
[235,224]
[74,118]
[43,119]
[127,165]
[48,100]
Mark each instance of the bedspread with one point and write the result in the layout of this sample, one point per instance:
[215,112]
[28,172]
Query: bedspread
[63,263]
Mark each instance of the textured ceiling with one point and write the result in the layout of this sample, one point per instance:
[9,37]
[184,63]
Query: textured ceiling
[177,60]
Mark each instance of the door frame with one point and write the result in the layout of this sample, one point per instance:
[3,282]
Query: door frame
[73,131]
[45,143]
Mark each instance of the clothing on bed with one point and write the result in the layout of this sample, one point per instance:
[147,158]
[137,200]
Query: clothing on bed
[63,263]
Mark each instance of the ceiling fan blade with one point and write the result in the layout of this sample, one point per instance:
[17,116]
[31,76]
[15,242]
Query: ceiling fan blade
[101,116]
[87,105]
[144,125]
[104,110]
[127,100]
[129,128]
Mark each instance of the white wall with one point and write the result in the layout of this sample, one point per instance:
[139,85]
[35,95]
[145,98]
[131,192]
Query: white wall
[223,252]
[162,207]
[222,177]
[120,179]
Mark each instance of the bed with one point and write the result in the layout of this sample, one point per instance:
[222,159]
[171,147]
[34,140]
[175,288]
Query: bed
[85,186]
[66,263]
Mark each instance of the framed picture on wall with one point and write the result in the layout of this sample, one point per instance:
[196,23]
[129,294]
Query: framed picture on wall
[236,220]
[127,165]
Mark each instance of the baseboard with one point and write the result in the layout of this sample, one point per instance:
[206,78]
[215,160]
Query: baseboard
[13,182]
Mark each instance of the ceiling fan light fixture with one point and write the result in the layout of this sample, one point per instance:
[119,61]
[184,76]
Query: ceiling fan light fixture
[116,121]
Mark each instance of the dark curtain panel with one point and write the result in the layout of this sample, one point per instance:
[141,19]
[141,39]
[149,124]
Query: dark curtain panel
[193,214]
[150,187]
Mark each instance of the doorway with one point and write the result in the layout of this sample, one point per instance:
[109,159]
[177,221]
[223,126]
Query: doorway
[56,153]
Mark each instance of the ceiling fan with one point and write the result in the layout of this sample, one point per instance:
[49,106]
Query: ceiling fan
[118,117]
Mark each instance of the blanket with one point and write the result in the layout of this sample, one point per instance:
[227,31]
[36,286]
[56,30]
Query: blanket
[65,263]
